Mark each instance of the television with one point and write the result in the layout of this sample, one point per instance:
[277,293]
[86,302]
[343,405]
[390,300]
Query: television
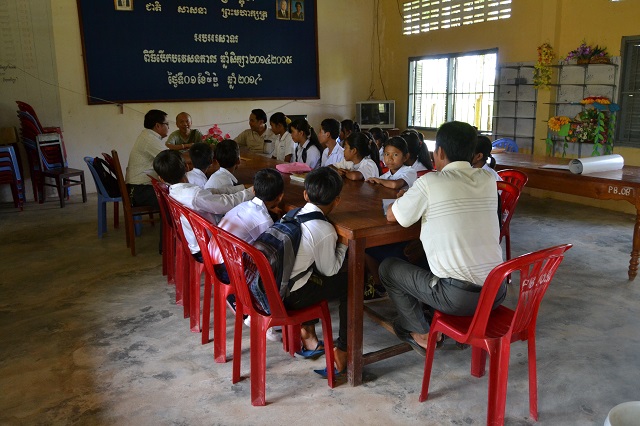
[376,114]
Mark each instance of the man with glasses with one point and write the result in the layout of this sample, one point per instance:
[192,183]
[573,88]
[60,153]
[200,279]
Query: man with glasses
[147,146]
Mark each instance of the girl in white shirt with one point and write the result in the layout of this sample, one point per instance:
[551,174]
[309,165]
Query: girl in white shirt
[396,153]
[419,158]
[283,149]
[361,159]
[380,137]
[307,148]
[483,158]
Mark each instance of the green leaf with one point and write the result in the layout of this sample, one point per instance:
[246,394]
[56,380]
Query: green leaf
[564,129]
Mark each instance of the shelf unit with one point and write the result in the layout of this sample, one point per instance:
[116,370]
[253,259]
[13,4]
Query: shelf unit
[515,102]
[576,82]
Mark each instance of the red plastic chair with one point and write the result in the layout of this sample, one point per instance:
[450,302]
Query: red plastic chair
[241,259]
[493,331]
[168,233]
[516,177]
[204,230]
[188,270]
[509,196]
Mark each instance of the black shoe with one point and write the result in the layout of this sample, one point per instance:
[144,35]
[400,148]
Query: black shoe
[231,302]
[405,336]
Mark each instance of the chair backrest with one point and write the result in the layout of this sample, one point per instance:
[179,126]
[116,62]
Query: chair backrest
[108,158]
[515,177]
[117,168]
[178,216]
[509,195]
[243,261]
[8,159]
[204,231]
[535,271]
[96,179]
[162,193]
[25,107]
[509,145]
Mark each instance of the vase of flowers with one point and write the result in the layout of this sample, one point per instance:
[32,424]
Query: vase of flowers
[214,136]
[585,54]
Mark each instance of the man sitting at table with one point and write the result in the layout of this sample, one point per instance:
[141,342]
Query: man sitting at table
[145,149]
[460,235]
[258,132]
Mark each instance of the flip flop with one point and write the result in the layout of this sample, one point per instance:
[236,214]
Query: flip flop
[337,374]
[312,354]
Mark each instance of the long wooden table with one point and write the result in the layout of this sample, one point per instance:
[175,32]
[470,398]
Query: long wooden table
[360,223]
[623,185]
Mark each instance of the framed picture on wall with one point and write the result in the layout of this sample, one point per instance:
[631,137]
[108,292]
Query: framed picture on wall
[297,13]
[123,4]
[283,10]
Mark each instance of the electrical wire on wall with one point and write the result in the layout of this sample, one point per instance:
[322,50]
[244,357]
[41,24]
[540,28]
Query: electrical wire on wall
[375,40]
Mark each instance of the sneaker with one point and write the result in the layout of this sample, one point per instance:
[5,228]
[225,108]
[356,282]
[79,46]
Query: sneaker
[273,336]
[231,302]
[247,321]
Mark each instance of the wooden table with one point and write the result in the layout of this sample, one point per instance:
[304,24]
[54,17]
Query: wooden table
[623,185]
[360,223]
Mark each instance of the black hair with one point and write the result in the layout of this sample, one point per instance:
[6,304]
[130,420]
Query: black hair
[349,126]
[458,140]
[483,146]
[417,149]
[365,146]
[298,4]
[279,118]
[268,184]
[398,142]
[323,185]
[201,155]
[303,126]
[260,115]
[227,153]
[170,166]
[154,116]
[379,135]
[332,126]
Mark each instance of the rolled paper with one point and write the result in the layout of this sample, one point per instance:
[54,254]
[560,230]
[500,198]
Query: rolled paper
[603,163]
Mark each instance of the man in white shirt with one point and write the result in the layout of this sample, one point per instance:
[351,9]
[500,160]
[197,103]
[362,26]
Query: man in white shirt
[461,240]
[147,146]
[257,134]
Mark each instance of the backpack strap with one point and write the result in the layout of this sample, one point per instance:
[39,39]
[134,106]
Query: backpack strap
[302,219]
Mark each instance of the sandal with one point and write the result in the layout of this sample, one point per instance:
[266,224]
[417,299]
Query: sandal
[312,354]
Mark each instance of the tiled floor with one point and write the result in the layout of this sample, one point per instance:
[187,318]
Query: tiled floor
[91,335]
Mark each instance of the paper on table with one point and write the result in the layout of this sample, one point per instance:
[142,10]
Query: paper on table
[386,202]
[588,165]
[603,163]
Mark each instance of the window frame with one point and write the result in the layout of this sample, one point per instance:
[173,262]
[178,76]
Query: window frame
[628,71]
[449,106]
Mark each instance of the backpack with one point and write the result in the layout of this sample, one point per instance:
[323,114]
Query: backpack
[107,177]
[280,245]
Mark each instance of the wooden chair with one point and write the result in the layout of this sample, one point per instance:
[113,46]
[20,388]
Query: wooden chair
[243,261]
[132,215]
[515,177]
[53,165]
[493,331]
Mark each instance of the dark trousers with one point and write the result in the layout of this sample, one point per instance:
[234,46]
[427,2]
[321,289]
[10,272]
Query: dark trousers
[144,195]
[323,288]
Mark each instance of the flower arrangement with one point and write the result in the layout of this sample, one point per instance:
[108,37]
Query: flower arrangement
[585,53]
[214,136]
[542,68]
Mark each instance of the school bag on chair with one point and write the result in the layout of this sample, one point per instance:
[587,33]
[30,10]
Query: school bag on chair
[280,245]
[107,177]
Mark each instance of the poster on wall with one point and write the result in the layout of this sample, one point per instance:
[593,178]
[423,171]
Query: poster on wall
[193,50]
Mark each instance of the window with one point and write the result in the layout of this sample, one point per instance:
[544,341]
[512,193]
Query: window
[453,87]
[421,16]
[628,128]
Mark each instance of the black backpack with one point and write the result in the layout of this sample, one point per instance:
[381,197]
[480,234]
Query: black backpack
[280,245]
[107,176]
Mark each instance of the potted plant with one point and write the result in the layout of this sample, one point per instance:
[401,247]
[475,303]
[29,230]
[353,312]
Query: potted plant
[585,54]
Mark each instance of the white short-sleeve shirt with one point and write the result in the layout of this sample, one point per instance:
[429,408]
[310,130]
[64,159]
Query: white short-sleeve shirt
[407,173]
[283,146]
[367,167]
[222,178]
[337,155]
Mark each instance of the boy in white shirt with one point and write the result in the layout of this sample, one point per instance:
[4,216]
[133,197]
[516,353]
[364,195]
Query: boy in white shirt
[319,247]
[227,154]
[201,156]
[329,131]
[171,169]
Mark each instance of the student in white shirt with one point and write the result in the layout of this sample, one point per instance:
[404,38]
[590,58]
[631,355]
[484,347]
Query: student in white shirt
[307,148]
[361,159]
[419,158]
[396,153]
[227,154]
[380,137]
[171,169]
[283,144]
[333,152]
[347,127]
[319,246]
[201,159]
[482,157]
